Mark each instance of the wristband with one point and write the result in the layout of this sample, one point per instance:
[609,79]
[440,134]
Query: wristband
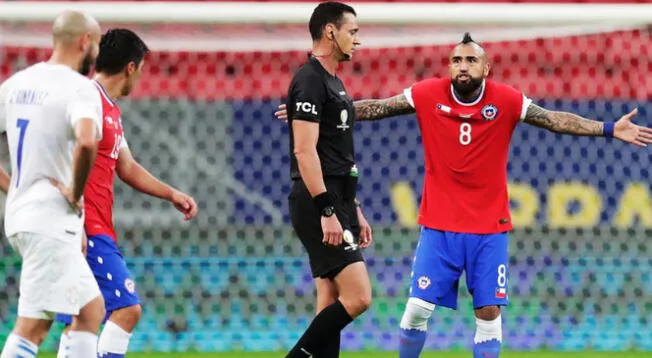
[322,201]
[356,203]
[608,130]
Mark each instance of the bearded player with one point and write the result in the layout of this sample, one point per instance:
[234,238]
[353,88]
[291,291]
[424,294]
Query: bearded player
[118,67]
[466,123]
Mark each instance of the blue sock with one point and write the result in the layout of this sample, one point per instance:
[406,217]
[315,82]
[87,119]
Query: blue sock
[487,349]
[411,343]
[110,355]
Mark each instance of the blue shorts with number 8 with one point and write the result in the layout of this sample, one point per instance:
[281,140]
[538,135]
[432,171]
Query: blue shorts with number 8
[441,257]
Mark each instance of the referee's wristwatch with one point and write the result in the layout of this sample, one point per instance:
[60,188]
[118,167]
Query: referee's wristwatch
[327,211]
[324,204]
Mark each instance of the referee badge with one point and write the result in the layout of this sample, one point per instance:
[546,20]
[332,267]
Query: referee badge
[344,118]
[349,241]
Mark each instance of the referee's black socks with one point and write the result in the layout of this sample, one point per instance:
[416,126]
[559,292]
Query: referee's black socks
[332,349]
[331,320]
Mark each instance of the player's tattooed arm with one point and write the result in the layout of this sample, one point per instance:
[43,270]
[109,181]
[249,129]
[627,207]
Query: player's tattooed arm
[562,122]
[374,109]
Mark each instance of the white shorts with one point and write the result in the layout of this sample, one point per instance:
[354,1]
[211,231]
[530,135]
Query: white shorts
[55,277]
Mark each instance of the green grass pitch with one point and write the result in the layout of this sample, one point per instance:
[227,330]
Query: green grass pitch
[393,355]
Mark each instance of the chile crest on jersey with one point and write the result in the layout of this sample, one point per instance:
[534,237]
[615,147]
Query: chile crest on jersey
[488,113]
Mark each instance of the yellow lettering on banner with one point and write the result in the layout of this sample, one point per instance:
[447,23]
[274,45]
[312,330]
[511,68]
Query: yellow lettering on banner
[634,203]
[405,204]
[527,204]
[560,195]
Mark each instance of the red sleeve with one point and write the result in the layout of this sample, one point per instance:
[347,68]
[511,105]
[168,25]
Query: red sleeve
[418,92]
[517,101]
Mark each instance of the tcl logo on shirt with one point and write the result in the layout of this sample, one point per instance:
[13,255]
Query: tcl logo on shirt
[306,107]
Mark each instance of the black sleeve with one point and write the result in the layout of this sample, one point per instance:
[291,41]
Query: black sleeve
[307,97]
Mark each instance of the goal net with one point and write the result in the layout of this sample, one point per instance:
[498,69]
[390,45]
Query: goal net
[237,278]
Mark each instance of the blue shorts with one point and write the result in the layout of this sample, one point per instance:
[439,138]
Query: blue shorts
[110,270]
[441,257]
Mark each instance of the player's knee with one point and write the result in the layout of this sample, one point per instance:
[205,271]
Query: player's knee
[127,317]
[95,319]
[365,302]
[91,315]
[132,314]
[417,313]
[355,306]
[488,313]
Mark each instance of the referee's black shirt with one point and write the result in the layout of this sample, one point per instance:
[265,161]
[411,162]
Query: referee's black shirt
[317,96]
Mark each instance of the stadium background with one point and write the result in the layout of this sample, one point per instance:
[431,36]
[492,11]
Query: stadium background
[236,278]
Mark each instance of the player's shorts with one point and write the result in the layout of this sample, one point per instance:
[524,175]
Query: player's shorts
[325,261]
[441,257]
[113,277]
[54,278]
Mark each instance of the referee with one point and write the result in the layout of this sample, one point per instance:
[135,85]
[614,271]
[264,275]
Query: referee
[323,206]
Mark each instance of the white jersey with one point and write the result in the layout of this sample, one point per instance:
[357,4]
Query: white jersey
[39,107]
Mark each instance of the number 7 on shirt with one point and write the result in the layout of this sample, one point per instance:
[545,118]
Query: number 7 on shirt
[22,126]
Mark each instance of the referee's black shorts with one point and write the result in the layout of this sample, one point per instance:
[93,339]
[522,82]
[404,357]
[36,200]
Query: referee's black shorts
[326,261]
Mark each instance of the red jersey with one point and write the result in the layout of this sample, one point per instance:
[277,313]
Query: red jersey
[98,194]
[466,147]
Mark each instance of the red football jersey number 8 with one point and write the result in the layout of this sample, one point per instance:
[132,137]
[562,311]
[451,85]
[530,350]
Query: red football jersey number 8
[465,133]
